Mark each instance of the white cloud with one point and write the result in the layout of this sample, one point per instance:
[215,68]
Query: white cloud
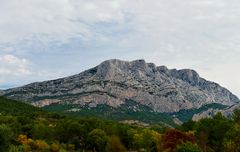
[16,71]
[53,20]
[11,65]
[189,33]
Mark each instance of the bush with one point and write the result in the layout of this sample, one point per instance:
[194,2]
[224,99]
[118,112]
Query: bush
[13,148]
[187,147]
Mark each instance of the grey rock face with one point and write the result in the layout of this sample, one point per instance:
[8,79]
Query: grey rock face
[114,81]
[1,92]
[211,112]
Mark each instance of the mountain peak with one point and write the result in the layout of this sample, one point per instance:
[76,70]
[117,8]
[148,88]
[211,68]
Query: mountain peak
[114,68]
[121,63]
[187,75]
[114,81]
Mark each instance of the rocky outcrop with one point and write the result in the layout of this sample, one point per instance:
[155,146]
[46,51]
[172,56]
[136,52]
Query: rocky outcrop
[227,112]
[114,81]
[1,92]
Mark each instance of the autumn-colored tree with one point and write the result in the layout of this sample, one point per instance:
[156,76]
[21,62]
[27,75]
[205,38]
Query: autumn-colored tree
[173,137]
[23,139]
[41,145]
[26,142]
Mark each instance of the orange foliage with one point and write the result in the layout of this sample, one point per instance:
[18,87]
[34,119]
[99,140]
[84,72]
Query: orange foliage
[40,144]
[23,139]
[173,137]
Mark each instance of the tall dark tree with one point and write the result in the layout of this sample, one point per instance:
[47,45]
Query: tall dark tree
[97,140]
[6,135]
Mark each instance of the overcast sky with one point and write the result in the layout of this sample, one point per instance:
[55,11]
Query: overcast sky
[48,39]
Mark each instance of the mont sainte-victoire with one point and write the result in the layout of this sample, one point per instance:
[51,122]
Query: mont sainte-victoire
[117,87]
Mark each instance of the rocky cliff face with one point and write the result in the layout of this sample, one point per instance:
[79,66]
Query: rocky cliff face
[115,81]
[227,112]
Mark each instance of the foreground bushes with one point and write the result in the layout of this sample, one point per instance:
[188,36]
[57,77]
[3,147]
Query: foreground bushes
[56,133]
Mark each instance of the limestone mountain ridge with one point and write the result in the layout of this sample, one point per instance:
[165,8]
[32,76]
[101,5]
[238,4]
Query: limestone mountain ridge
[113,82]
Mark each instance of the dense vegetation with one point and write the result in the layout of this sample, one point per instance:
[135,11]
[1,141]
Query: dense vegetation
[40,131]
[185,115]
[131,110]
[13,107]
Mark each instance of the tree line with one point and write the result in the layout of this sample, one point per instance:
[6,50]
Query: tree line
[32,130]
[56,133]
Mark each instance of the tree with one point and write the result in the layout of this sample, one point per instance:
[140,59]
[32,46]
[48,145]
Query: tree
[41,145]
[173,137]
[126,135]
[41,131]
[232,139]
[97,140]
[236,116]
[13,148]
[187,126]
[70,131]
[114,145]
[187,147]
[151,140]
[6,135]
[55,147]
[211,132]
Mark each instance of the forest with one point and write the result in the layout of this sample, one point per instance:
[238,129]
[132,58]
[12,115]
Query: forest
[24,128]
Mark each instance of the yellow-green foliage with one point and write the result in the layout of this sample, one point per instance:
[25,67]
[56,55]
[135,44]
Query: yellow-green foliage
[40,131]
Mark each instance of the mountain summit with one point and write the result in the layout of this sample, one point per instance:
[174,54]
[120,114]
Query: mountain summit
[114,82]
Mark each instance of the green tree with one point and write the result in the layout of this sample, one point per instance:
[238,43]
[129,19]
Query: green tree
[97,140]
[41,131]
[114,145]
[6,135]
[149,140]
[187,147]
[187,126]
[236,116]
[211,132]
[232,139]
[126,135]
[76,133]
[14,148]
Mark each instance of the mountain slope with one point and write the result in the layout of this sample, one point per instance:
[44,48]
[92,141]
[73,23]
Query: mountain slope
[12,107]
[115,81]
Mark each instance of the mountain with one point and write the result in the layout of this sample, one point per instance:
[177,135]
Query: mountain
[115,83]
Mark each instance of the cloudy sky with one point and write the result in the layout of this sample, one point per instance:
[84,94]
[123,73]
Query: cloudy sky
[47,39]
